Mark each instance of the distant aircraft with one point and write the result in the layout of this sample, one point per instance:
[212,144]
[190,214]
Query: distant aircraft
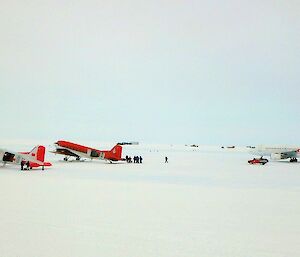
[70,149]
[35,157]
[277,153]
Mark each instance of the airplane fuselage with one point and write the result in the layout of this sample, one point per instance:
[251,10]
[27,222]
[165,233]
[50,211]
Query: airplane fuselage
[277,153]
[80,151]
[267,150]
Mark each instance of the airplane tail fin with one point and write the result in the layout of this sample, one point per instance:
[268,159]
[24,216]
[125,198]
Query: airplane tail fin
[38,153]
[116,152]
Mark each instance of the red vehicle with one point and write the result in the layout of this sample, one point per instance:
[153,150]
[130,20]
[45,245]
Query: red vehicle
[261,161]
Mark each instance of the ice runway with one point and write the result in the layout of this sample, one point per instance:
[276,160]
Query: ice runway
[204,202]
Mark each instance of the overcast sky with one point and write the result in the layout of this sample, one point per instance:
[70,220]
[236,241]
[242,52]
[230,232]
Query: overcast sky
[165,71]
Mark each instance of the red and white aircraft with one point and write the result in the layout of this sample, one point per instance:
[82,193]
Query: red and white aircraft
[36,157]
[70,149]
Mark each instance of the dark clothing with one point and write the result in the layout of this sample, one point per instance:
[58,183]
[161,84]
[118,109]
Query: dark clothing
[22,165]
[166,159]
[141,159]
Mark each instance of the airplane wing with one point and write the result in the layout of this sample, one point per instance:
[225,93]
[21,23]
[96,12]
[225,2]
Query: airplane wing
[64,151]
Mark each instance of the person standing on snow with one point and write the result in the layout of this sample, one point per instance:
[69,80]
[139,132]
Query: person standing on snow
[22,165]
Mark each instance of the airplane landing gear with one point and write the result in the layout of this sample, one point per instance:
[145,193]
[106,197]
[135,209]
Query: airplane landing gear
[77,158]
[293,160]
[66,159]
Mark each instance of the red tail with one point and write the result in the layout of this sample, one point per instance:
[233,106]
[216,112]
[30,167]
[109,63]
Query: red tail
[115,154]
[38,153]
[117,151]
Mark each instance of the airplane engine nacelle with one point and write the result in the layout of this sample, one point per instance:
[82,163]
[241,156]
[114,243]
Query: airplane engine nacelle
[277,156]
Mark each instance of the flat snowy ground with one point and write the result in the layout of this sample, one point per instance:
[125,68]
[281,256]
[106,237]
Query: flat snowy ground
[204,202]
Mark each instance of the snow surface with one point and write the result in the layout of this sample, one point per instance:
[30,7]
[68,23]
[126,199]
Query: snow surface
[206,201]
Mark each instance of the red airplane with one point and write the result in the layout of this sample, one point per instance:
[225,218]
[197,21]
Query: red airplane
[35,158]
[70,149]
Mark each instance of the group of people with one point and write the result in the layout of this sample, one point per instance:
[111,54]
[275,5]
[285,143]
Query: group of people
[136,159]
[23,163]
[139,159]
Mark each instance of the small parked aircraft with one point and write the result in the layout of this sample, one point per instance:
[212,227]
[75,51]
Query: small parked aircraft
[70,149]
[277,153]
[35,157]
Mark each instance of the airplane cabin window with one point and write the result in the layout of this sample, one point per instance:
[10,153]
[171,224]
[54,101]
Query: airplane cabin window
[94,153]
